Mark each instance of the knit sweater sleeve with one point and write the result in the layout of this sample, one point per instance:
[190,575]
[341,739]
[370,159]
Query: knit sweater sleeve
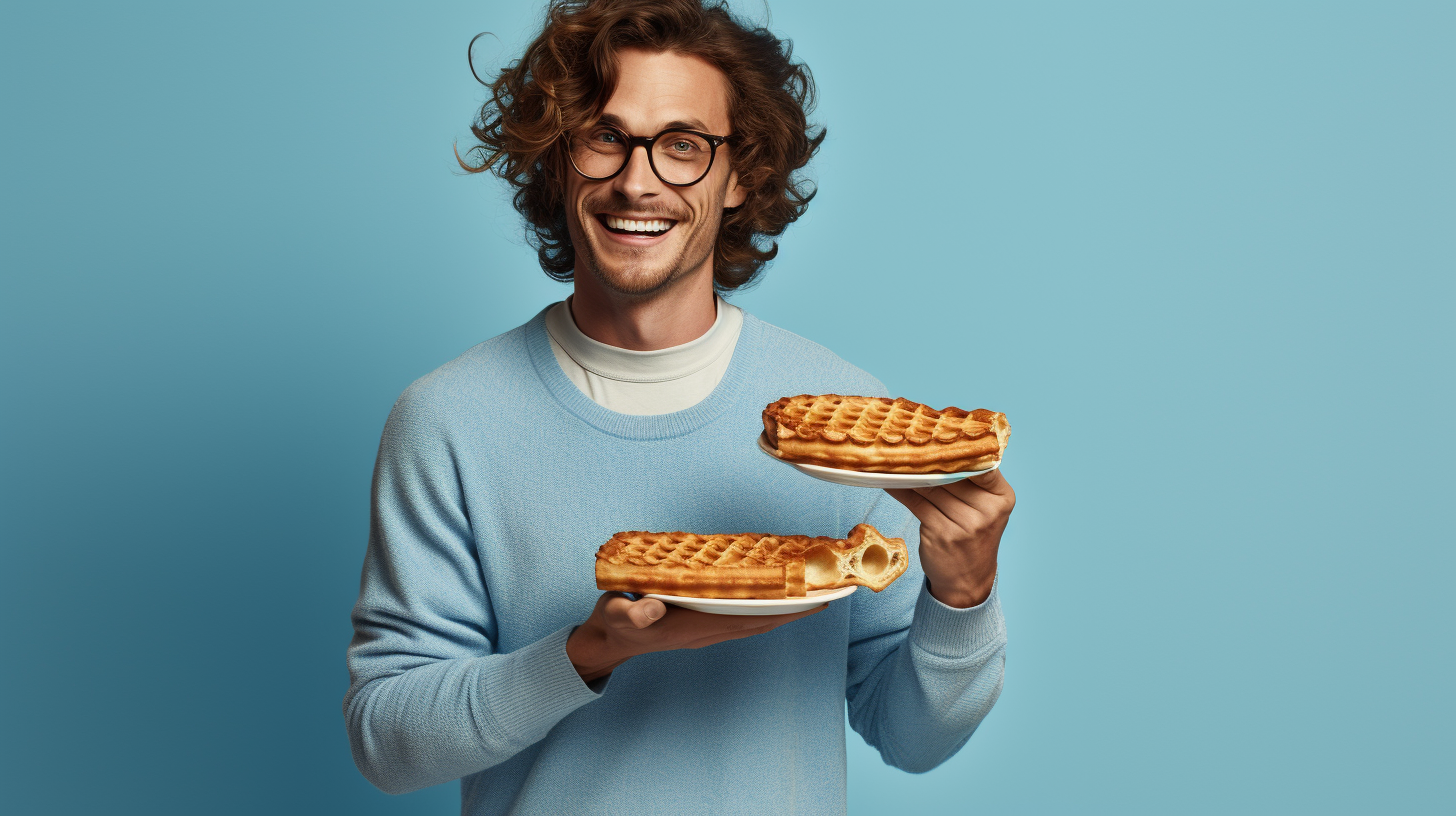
[921,675]
[430,698]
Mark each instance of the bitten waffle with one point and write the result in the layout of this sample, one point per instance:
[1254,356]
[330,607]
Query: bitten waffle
[880,435]
[748,565]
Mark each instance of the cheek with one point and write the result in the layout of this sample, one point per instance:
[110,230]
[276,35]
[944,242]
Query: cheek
[707,206]
[575,204]
[572,198]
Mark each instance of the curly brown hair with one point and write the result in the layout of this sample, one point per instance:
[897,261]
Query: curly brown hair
[566,76]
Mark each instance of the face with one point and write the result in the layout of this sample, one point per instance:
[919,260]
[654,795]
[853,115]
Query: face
[610,221]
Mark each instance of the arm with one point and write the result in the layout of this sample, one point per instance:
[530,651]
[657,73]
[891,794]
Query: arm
[620,629]
[922,673]
[430,699]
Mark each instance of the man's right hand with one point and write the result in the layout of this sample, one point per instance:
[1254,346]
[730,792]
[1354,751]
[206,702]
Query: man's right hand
[620,628]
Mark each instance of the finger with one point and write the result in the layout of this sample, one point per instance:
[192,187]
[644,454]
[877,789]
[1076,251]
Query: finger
[918,505]
[646,612]
[991,482]
[994,498]
[615,607]
[752,625]
[712,623]
[775,621]
[965,507]
[623,613]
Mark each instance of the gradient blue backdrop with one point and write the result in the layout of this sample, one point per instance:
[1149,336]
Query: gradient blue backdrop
[1201,254]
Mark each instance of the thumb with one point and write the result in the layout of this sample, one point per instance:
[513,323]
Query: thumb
[646,612]
[622,613]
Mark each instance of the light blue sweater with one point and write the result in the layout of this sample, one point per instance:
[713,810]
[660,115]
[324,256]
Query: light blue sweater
[497,481]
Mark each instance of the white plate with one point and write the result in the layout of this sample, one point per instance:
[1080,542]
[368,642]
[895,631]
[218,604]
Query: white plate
[754,606]
[856,478]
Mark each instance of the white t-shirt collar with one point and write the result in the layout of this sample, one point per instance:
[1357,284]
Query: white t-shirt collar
[660,365]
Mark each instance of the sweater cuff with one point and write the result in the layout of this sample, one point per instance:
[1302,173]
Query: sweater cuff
[953,633]
[535,689]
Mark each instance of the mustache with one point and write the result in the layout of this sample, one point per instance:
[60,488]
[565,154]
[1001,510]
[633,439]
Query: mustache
[615,202]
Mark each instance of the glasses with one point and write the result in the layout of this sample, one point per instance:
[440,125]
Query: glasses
[680,158]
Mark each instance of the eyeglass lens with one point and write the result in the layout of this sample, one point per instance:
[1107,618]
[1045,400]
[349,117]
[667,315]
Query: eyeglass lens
[679,157]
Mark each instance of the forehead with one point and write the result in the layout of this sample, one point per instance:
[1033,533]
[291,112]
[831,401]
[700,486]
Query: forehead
[665,89]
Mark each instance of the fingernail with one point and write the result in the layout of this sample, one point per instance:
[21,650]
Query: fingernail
[654,611]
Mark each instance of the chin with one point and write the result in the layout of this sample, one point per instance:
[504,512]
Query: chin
[634,275]
[632,281]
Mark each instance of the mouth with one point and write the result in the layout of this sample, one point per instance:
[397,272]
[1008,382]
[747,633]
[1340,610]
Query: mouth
[635,227]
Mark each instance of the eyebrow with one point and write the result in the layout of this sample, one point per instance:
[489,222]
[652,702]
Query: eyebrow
[676,124]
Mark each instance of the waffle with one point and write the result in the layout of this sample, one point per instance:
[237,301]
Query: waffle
[748,565]
[881,435]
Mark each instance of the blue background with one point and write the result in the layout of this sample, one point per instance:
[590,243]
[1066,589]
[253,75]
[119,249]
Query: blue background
[1201,254]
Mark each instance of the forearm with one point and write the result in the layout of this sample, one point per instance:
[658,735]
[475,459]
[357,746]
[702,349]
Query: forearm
[927,695]
[449,718]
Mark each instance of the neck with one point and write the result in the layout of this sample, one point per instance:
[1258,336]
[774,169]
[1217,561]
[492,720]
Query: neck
[677,315]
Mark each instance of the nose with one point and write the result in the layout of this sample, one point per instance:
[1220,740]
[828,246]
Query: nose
[637,180]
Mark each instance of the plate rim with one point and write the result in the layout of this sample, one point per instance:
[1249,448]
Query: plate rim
[809,469]
[759,603]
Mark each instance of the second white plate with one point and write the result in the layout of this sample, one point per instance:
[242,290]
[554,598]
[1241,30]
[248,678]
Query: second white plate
[857,478]
[754,606]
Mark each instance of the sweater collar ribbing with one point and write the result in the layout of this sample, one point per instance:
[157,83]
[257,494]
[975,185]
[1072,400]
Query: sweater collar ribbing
[657,426]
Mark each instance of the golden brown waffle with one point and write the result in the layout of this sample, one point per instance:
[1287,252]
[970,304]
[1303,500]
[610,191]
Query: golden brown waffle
[881,435]
[748,565]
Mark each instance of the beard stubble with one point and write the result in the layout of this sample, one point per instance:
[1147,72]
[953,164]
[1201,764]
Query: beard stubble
[633,277]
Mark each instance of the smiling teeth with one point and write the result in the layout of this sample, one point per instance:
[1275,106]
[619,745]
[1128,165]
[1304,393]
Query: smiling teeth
[636,226]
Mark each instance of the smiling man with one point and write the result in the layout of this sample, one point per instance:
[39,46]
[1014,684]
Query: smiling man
[654,147]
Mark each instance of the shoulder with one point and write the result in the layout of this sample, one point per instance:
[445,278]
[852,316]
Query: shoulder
[808,367]
[488,374]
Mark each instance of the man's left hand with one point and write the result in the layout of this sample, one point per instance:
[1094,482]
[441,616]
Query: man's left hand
[960,531]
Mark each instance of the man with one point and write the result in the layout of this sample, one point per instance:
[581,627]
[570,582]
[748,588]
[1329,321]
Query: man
[653,146]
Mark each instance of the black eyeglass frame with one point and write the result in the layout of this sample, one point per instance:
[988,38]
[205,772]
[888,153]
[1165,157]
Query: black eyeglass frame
[646,142]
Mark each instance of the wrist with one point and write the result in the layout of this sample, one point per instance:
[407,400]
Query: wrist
[590,653]
[962,594]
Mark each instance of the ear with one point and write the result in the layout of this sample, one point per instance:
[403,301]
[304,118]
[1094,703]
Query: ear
[737,194]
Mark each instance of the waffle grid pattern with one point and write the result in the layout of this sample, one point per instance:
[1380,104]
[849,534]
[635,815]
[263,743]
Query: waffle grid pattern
[864,420]
[702,552]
